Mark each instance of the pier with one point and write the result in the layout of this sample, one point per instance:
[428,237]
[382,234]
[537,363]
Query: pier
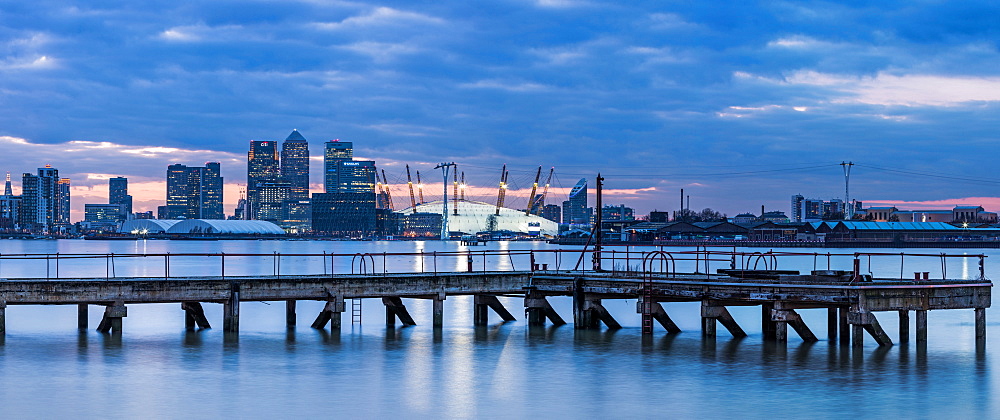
[855,300]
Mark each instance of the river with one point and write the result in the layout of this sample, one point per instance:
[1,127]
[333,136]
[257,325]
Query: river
[156,369]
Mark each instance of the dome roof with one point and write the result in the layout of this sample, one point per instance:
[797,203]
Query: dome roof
[147,225]
[216,226]
[473,217]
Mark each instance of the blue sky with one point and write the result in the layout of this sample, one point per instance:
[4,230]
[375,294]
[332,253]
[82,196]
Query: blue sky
[741,103]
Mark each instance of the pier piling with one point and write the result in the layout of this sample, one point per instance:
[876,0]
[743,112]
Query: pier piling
[921,321]
[290,314]
[904,326]
[81,316]
[394,308]
[482,304]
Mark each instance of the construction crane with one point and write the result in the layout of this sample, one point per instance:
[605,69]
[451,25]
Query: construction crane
[534,188]
[379,192]
[420,188]
[409,184]
[454,195]
[462,186]
[503,188]
[388,195]
[545,192]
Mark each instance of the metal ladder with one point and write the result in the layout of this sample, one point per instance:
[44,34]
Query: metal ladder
[356,311]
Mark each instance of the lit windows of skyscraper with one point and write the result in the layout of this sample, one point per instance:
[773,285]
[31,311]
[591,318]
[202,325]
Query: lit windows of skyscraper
[118,194]
[336,151]
[194,192]
[295,165]
[44,200]
[355,176]
[575,210]
[262,165]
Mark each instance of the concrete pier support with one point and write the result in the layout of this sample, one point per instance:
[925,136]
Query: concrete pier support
[82,322]
[980,324]
[394,308]
[438,311]
[231,310]
[3,317]
[112,320]
[866,321]
[481,309]
[594,313]
[845,327]
[832,323]
[904,326]
[537,309]
[711,312]
[332,312]
[921,321]
[194,315]
[788,317]
[655,310]
[290,319]
[767,325]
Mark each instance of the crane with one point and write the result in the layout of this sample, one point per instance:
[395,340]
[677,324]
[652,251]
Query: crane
[388,195]
[534,188]
[503,187]
[420,188]
[545,192]
[409,184]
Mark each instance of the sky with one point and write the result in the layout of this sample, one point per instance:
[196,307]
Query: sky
[741,103]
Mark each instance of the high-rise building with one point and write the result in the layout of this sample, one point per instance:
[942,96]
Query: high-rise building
[552,212]
[62,202]
[797,207]
[7,190]
[295,165]
[336,151]
[271,198]
[575,210]
[44,200]
[194,192]
[262,165]
[355,176]
[118,194]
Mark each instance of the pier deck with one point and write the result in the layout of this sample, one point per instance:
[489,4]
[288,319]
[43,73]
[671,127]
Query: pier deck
[852,299]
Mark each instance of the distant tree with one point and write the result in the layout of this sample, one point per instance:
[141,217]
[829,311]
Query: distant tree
[893,218]
[686,215]
[863,217]
[709,215]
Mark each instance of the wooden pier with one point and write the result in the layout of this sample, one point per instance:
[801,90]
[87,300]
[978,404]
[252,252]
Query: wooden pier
[852,299]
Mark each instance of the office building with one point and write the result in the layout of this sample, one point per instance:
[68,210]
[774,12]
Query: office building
[102,217]
[576,214]
[552,212]
[118,194]
[262,165]
[295,165]
[271,198]
[335,152]
[193,192]
[349,215]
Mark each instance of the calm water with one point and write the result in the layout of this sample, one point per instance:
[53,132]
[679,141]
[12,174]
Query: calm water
[156,369]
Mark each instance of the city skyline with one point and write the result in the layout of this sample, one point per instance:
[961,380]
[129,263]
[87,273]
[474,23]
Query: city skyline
[741,105]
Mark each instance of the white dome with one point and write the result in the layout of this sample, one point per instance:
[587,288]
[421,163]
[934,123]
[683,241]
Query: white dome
[147,226]
[473,216]
[217,226]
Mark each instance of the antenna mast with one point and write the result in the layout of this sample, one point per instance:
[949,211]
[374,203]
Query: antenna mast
[388,195]
[409,184]
[420,188]
[848,208]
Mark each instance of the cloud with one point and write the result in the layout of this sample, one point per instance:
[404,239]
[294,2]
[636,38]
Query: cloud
[381,16]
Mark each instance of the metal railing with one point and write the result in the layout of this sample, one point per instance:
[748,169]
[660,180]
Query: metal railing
[637,262]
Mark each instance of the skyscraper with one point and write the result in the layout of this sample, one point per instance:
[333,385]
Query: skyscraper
[62,202]
[194,192]
[355,176]
[575,210]
[44,200]
[262,166]
[336,151]
[118,194]
[295,165]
